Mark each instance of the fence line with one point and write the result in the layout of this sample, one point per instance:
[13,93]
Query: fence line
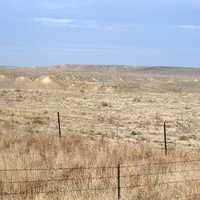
[115,187]
[106,167]
[130,187]
[56,191]
[106,177]
[56,169]
[161,163]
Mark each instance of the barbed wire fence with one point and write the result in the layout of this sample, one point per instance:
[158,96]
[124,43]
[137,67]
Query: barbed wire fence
[121,178]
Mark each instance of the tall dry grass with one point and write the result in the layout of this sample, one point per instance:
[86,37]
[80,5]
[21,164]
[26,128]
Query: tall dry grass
[33,151]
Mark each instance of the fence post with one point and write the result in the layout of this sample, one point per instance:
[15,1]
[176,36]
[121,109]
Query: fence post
[165,137]
[59,126]
[118,181]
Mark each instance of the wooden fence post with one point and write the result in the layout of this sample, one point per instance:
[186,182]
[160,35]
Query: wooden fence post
[59,125]
[118,181]
[165,137]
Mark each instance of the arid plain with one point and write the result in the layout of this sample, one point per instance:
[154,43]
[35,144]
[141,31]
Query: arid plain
[109,101]
[108,114]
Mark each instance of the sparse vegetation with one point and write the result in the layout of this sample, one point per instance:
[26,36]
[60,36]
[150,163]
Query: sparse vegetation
[105,104]
[121,121]
[34,151]
[183,138]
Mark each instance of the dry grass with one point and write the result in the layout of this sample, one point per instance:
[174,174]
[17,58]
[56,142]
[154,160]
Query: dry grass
[34,151]
[106,117]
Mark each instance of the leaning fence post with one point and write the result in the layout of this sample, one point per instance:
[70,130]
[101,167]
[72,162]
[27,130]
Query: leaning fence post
[59,126]
[165,137]
[118,181]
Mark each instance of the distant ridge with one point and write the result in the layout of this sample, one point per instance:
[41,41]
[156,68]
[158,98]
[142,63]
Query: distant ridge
[102,66]
[149,70]
[95,67]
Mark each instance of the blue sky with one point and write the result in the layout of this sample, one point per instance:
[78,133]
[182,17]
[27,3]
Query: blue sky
[144,32]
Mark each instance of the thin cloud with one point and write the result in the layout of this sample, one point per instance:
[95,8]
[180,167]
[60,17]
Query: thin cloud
[84,24]
[54,21]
